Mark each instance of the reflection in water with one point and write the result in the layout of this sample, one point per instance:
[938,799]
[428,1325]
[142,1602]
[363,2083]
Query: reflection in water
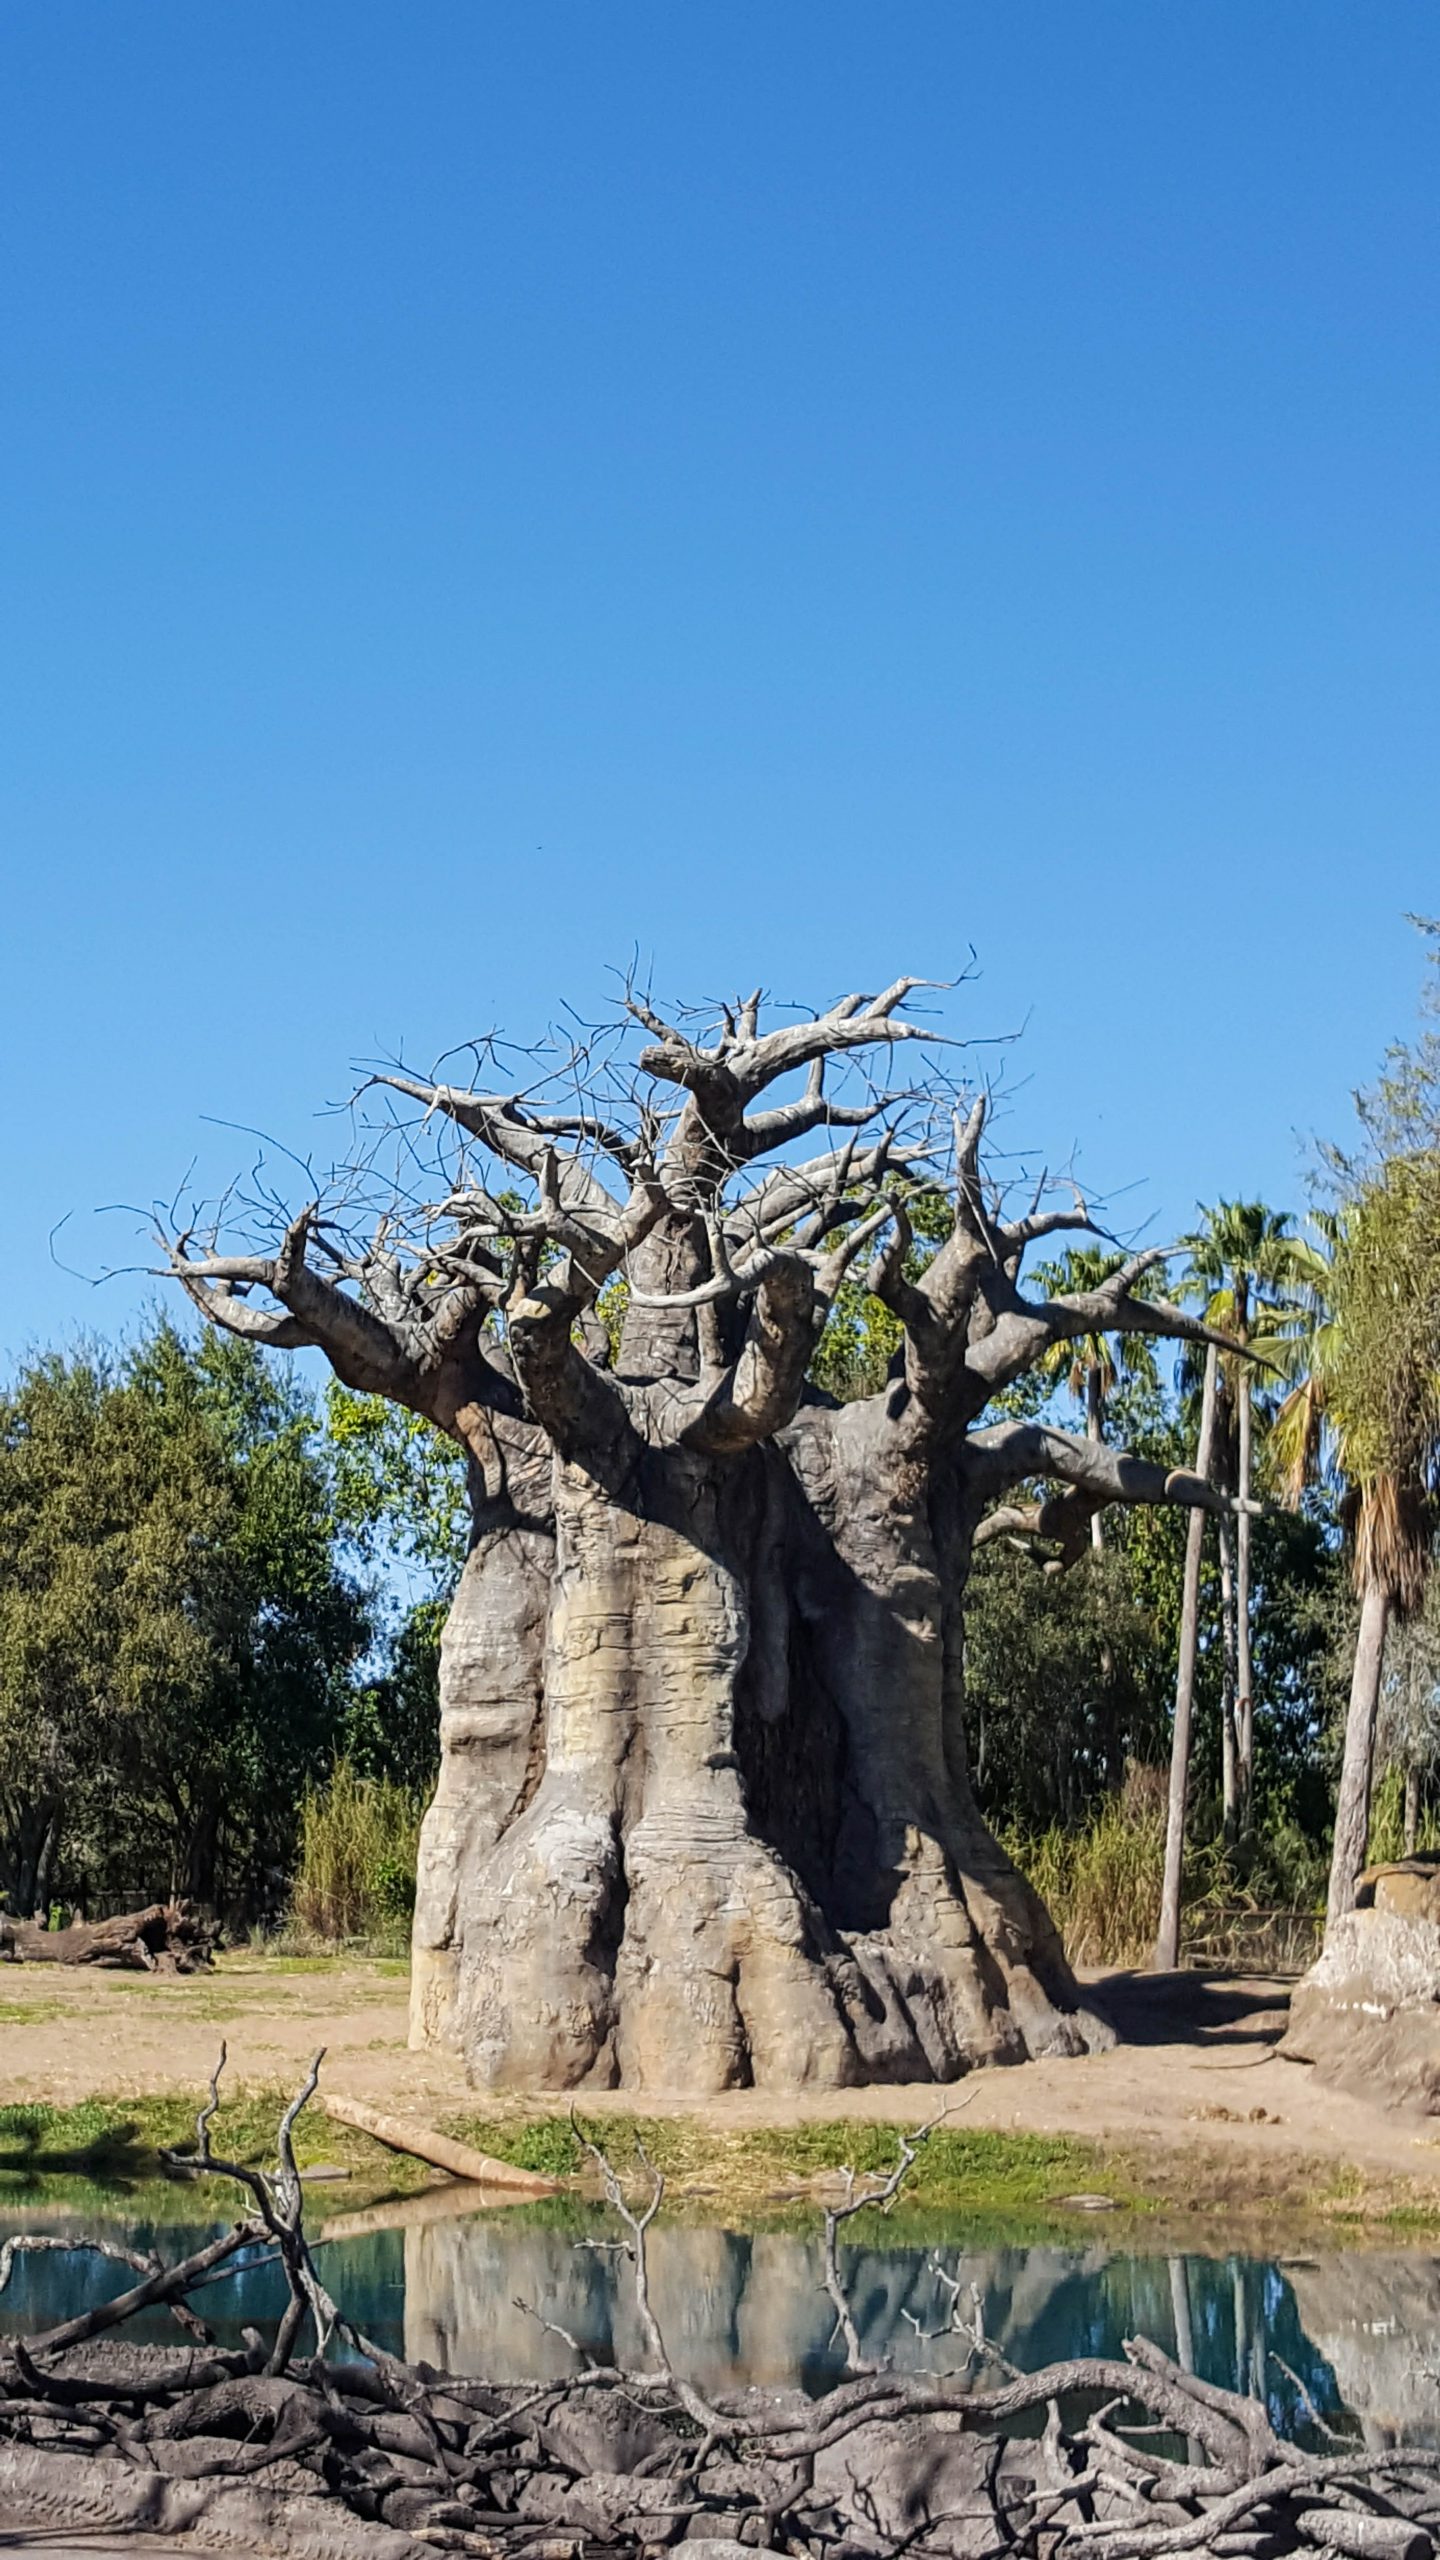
[1359,2330]
[1376,2321]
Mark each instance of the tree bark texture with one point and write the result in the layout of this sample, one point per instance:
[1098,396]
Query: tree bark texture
[1352,1810]
[704,1817]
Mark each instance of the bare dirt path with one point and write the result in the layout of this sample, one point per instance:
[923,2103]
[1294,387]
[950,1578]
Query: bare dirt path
[1193,2072]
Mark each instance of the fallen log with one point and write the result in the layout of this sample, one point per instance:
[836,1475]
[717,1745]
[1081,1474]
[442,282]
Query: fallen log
[438,2151]
[166,1937]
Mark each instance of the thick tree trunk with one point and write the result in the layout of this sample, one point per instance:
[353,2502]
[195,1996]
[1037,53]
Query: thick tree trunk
[704,1819]
[1352,1810]
[1167,1943]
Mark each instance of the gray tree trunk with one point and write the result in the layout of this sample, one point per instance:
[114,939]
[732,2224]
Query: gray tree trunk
[1167,1943]
[1244,1668]
[704,1818]
[1229,1792]
[1095,1430]
[1352,1810]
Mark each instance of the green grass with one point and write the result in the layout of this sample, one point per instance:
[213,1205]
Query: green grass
[980,2187]
[118,2141]
[1014,2176]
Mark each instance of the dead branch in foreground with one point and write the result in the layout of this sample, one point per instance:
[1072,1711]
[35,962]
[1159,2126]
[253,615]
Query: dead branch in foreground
[346,2450]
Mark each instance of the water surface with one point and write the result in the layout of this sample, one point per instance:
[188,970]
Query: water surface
[1359,2329]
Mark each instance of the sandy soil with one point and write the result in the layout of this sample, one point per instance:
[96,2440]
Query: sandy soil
[1195,2070]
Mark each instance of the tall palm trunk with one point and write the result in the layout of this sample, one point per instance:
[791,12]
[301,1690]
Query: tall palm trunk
[1167,1942]
[1352,1810]
[1229,1757]
[1244,1672]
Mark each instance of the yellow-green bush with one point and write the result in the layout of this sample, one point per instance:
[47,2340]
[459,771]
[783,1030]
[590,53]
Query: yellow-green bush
[355,1877]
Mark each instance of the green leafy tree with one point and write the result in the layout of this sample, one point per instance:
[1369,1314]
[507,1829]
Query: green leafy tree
[1363,1357]
[177,1645]
[402,1500]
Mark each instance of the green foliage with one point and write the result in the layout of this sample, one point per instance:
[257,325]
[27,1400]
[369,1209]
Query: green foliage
[1100,1878]
[177,1642]
[393,1728]
[1092,1365]
[400,1484]
[355,1875]
[1067,1678]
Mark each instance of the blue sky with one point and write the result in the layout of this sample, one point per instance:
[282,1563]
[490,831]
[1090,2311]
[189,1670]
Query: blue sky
[802,490]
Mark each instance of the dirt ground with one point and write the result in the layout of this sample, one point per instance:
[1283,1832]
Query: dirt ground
[1195,2070]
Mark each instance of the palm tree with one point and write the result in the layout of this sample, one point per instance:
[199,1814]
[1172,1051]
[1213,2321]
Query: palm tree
[1363,1412]
[1248,1270]
[1093,1364]
[1167,1941]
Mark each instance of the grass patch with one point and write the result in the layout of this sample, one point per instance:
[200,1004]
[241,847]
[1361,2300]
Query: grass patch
[119,2141]
[975,2186]
[764,2171]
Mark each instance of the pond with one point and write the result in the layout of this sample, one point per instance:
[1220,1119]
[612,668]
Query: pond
[1357,2330]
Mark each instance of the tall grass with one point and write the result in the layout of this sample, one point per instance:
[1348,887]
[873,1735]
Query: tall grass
[1387,1821]
[1100,1881]
[355,1877]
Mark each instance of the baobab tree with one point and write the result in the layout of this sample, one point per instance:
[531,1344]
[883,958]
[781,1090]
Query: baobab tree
[703,1817]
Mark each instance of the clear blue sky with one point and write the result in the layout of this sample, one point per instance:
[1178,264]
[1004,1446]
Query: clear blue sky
[803,488]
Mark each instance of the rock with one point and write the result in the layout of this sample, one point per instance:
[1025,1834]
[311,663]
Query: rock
[1367,2014]
[1408,1894]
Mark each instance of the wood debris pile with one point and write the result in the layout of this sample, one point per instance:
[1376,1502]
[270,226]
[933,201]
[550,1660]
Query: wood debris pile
[345,2450]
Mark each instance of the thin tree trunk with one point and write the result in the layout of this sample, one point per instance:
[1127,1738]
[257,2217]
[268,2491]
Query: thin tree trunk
[1352,1810]
[1095,1430]
[1167,1943]
[1244,1672]
[1229,1779]
[1412,1809]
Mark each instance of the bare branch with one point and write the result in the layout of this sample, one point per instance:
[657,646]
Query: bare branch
[1093,1474]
